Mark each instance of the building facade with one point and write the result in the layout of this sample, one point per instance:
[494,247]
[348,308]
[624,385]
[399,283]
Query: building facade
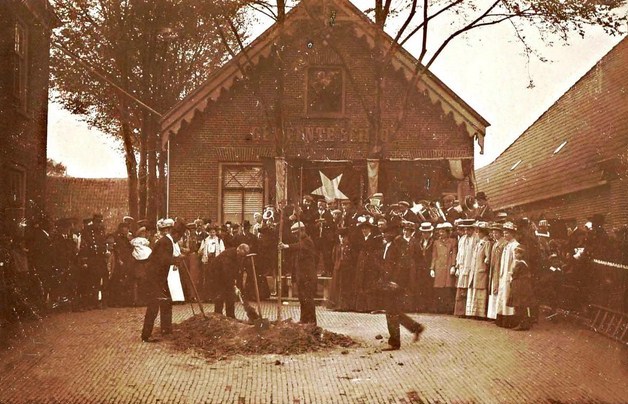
[316,76]
[25,28]
[572,163]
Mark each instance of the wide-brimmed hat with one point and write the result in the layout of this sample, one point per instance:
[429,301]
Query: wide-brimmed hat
[128,219]
[466,223]
[445,225]
[404,203]
[495,226]
[481,225]
[167,223]
[297,226]
[509,226]
[426,227]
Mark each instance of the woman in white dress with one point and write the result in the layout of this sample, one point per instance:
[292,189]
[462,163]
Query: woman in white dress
[505,314]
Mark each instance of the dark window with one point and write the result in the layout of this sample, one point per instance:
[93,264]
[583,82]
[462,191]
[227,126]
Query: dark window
[242,192]
[325,91]
[20,77]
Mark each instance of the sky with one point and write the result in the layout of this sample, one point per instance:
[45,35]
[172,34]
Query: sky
[486,68]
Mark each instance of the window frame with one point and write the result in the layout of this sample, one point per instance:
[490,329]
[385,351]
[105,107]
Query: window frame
[222,169]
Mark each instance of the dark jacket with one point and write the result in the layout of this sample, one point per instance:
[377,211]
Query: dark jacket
[304,255]
[228,268]
[158,266]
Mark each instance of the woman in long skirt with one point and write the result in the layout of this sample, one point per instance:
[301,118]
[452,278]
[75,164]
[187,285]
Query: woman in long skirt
[478,282]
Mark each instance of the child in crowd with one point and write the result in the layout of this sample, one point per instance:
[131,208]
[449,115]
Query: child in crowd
[141,252]
[521,293]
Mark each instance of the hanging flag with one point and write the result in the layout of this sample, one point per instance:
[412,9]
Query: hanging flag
[281,180]
[331,180]
[373,174]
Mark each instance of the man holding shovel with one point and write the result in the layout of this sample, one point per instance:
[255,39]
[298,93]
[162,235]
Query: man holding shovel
[228,267]
[304,271]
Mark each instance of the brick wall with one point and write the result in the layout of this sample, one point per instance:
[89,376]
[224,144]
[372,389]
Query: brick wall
[237,127]
[23,132]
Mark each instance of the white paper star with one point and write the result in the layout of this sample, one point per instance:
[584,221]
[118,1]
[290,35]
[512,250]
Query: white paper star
[329,190]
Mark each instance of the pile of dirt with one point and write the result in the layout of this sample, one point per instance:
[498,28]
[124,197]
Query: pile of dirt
[219,337]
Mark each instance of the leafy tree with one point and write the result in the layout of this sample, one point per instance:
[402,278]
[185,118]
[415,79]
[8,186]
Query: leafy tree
[120,64]
[55,169]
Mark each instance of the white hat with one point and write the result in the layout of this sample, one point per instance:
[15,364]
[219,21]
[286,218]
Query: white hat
[166,223]
[426,227]
[445,225]
[509,226]
[297,226]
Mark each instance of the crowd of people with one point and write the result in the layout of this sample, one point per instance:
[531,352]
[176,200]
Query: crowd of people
[452,257]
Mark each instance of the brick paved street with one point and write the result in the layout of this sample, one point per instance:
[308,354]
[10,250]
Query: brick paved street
[97,356]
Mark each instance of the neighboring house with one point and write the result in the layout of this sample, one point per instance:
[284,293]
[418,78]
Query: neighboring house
[223,138]
[80,198]
[572,163]
[25,29]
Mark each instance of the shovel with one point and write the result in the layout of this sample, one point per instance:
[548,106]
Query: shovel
[259,323]
[187,272]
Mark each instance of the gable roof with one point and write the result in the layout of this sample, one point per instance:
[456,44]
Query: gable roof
[222,79]
[590,121]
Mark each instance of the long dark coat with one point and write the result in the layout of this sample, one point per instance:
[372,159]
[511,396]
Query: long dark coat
[521,292]
[369,270]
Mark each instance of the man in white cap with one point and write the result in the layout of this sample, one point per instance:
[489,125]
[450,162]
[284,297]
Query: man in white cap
[304,254]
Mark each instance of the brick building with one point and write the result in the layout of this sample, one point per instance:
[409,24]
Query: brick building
[223,138]
[25,28]
[572,163]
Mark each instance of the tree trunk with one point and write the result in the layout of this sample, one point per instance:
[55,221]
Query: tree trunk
[131,165]
[143,166]
[152,190]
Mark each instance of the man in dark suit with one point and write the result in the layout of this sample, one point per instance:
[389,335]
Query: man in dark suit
[398,265]
[159,299]
[324,236]
[228,268]
[305,271]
